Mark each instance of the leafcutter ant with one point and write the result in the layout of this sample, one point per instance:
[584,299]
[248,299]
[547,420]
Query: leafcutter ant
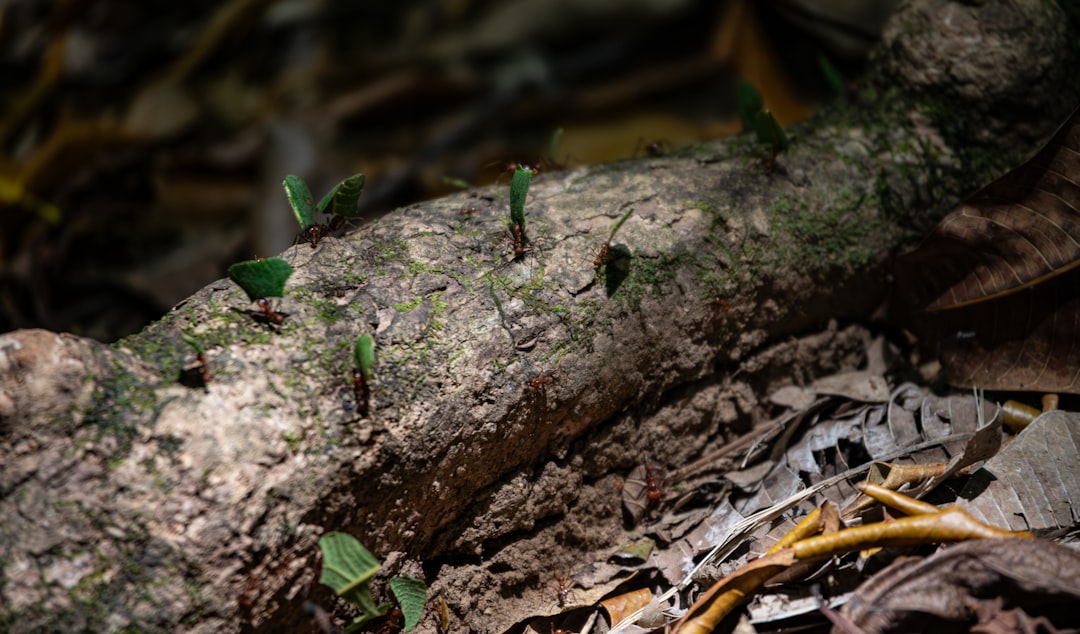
[246,598]
[315,233]
[642,492]
[394,621]
[360,391]
[509,167]
[564,590]
[601,257]
[268,315]
[519,241]
[197,375]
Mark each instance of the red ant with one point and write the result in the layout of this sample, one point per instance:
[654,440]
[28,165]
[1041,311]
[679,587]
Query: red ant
[360,390]
[641,492]
[315,233]
[246,598]
[519,241]
[509,167]
[652,490]
[538,382]
[601,257]
[563,590]
[197,375]
[467,211]
[394,623]
[268,314]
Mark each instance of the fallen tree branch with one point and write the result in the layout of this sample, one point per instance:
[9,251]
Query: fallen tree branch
[503,387]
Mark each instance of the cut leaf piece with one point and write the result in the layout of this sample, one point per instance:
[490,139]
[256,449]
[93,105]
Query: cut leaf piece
[346,563]
[749,103]
[364,356]
[261,278]
[519,189]
[411,595]
[769,131]
[303,205]
[342,199]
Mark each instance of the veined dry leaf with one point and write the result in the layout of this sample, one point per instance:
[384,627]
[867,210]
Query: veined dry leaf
[1034,482]
[941,592]
[996,283]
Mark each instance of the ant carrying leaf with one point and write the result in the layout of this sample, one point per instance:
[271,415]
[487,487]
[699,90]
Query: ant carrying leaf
[519,189]
[339,203]
[262,279]
[197,375]
[363,361]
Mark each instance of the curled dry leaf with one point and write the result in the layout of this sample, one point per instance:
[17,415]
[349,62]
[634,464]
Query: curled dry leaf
[621,606]
[995,285]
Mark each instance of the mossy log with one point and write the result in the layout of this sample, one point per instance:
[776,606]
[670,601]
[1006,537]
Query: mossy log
[508,393]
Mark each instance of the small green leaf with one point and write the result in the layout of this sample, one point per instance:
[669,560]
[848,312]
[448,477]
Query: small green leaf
[411,595]
[625,217]
[347,565]
[833,76]
[191,341]
[769,131]
[342,199]
[749,103]
[300,200]
[364,356]
[519,188]
[261,278]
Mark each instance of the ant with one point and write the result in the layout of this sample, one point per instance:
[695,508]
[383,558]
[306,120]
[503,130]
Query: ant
[267,315]
[360,390]
[652,490]
[246,598]
[519,241]
[564,590]
[555,631]
[509,167]
[601,257]
[467,211]
[197,375]
[315,233]
[641,492]
[539,382]
[394,621]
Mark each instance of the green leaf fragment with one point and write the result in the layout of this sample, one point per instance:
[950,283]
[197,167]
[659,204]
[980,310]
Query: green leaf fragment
[364,356]
[342,199]
[769,131]
[411,595]
[261,278]
[303,206]
[519,188]
[832,75]
[191,341]
[347,565]
[625,217]
[748,103]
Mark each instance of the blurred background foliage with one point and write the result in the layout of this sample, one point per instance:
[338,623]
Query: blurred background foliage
[144,144]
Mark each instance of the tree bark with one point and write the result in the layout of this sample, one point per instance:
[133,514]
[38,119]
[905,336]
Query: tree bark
[509,393]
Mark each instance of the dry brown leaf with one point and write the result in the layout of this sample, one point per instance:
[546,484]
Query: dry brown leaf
[1034,482]
[619,607]
[937,593]
[997,280]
